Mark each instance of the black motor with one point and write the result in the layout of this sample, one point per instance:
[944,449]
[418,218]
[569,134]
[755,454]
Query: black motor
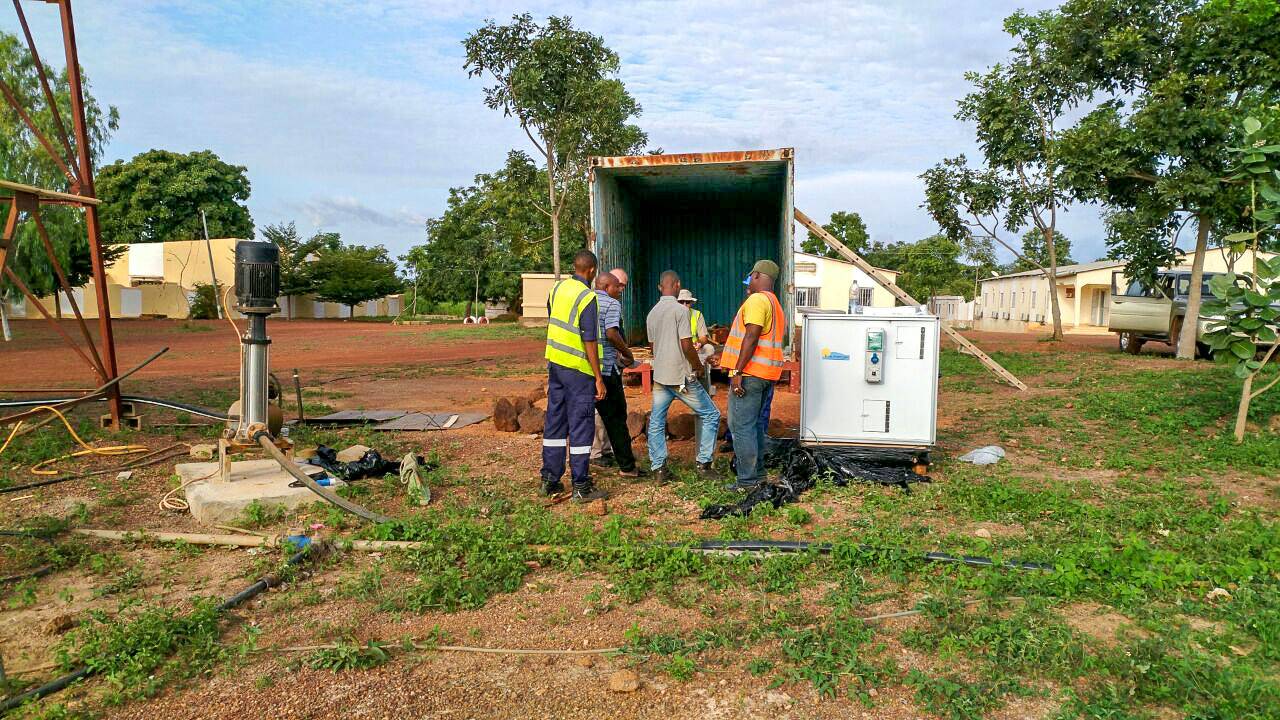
[257,277]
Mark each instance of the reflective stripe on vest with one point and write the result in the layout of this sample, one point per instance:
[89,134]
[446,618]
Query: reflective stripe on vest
[565,346]
[766,361]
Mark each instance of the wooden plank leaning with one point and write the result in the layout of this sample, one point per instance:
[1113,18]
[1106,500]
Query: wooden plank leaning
[906,299]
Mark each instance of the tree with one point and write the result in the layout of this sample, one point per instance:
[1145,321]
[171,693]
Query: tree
[560,84]
[489,233]
[1164,82]
[24,160]
[1246,306]
[296,256]
[1016,109]
[352,274]
[847,227]
[1035,253]
[158,195]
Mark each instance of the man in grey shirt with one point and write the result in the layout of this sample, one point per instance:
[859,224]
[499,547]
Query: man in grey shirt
[676,367]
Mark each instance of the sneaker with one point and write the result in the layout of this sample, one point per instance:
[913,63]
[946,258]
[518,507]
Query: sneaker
[634,473]
[705,469]
[552,487]
[661,476]
[742,485]
[587,493]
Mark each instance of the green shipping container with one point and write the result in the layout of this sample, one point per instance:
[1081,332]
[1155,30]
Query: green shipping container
[708,216]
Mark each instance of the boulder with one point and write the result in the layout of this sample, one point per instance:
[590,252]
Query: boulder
[537,394]
[637,423]
[203,451]
[681,427]
[521,404]
[59,624]
[505,417]
[532,420]
[777,428]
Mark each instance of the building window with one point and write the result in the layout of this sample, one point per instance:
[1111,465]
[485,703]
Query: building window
[1001,300]
[807,297]
[1033,298]
[864,296]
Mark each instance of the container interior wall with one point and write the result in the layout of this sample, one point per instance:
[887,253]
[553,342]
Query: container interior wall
[710,224]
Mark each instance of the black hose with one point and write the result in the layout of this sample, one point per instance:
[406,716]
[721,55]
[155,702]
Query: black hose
[789,546]
[138,399]
[61,683]
[264,439]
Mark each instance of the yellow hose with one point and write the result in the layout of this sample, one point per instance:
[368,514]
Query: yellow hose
[110,450]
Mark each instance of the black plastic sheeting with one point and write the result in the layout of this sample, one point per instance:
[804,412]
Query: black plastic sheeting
[800,468]
[372,464]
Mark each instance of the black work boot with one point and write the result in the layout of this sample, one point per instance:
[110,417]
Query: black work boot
[705,470]
[552,487]
[587,492]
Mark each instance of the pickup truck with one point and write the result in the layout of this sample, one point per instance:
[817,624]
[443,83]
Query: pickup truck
[1140,313]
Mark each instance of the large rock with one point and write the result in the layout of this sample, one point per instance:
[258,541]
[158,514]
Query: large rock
[681,427]
[521,404]
[532,420]
[637,423]
[505,417]
[777,428]
[537,394]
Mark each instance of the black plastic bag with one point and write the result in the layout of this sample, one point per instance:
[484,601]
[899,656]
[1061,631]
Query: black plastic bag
[371,464]
[800,468]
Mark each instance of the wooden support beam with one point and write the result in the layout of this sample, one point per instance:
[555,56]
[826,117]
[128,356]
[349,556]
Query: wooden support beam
[905,299]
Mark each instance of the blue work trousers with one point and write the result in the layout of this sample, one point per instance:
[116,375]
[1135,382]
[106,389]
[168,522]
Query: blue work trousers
[570,425]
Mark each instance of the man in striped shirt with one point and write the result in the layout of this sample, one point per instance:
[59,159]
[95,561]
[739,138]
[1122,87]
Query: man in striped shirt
[613,408]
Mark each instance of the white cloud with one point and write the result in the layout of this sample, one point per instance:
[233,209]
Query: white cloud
[357,116]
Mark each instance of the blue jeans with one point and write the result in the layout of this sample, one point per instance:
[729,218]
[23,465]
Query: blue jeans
[765,407]
[697,400]
[747,428]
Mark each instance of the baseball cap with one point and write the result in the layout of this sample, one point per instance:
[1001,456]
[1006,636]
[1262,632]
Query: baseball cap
[767,267]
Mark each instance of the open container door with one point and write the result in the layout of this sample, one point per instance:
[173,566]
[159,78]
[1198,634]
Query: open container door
[708,216]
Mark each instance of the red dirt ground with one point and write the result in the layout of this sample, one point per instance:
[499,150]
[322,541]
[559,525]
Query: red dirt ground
[207,349]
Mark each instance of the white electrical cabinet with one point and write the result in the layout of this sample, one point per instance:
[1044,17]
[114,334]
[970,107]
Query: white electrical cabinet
[870,379]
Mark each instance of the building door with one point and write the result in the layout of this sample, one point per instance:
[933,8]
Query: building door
[1100,300]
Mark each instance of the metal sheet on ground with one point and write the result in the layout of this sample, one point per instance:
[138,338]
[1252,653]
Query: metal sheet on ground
[355,417]
[432,421]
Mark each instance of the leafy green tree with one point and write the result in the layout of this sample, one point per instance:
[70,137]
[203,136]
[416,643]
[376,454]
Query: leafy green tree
[1247,304]
[352,274]
[1035,253]
[489,233]
[1164,81]
[23,159]
[847,227]
[296,256]
[561,84]
[158,195]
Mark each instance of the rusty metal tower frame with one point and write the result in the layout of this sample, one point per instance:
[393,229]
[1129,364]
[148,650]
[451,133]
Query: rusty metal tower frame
[26,201]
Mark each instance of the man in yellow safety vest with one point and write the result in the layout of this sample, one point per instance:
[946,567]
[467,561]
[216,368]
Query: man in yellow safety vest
[574,381]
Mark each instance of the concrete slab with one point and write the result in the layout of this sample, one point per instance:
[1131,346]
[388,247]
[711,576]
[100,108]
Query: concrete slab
[218,503]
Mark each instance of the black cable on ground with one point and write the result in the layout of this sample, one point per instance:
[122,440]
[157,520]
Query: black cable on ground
[137,399]
[789,546]
[264,439]
[61,683]
[41,571]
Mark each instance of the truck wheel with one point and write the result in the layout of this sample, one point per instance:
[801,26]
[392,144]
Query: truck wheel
[1130,343]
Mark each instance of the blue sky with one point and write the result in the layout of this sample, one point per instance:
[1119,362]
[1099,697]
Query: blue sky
[356,115]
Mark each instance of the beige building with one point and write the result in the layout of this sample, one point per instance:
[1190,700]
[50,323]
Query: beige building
[1019,302]
[159,280]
